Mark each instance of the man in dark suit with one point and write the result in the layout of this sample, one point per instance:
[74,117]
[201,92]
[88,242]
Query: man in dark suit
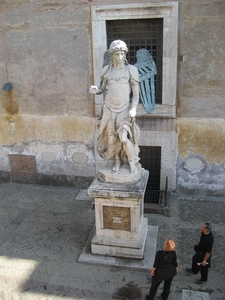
[201,261]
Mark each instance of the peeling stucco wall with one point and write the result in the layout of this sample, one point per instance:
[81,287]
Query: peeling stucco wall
[28,128]
[61,145]
[204,137]
[201,161]
[200,99]
[46,53]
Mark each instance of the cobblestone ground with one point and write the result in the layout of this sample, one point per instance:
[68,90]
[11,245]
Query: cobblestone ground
[44,229]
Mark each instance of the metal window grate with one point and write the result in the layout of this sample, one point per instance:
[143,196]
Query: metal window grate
[153,196]
[137,34]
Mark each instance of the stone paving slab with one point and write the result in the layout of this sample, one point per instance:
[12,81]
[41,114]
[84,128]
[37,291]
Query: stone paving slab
[83,196]
[193,295]
[43,232]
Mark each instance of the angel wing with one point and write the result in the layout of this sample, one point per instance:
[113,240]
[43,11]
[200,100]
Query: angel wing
[147,69]
[106,59]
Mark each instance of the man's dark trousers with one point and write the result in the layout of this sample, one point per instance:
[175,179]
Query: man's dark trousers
[197,258]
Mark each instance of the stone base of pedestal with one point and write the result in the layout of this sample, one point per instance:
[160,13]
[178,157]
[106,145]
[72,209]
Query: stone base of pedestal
[145,264]
[124,176]
[121,228]
[121,247]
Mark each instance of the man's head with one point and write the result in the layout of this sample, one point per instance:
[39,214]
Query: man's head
[206,228]
[169,245]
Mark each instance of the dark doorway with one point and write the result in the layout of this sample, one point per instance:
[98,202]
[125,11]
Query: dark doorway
[150,159]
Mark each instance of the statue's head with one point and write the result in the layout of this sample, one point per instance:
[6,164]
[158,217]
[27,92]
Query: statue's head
[115,46]
[118,45]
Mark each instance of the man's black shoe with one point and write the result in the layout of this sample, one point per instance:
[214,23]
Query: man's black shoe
[146,297]
[189,270]
[200,281]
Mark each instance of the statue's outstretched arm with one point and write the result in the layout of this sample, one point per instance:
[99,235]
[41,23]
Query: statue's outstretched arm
[99,90]
[96,90]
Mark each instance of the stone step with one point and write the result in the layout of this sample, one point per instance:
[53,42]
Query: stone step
[20,281]
[15,285]
[36,290]
[13,294]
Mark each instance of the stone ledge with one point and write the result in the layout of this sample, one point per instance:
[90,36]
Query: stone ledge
[121,190]
[139,264]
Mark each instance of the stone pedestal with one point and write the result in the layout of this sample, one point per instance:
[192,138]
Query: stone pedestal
[124,176]
[121,228]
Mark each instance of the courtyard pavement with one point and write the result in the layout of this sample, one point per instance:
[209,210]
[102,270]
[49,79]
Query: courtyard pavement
[43,231]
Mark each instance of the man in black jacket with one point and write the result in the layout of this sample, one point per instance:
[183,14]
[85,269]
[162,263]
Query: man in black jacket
[201,261]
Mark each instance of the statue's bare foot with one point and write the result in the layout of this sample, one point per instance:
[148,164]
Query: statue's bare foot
[133,168]
[116,167]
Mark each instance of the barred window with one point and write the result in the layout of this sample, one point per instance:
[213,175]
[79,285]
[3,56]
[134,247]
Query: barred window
[137,34]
